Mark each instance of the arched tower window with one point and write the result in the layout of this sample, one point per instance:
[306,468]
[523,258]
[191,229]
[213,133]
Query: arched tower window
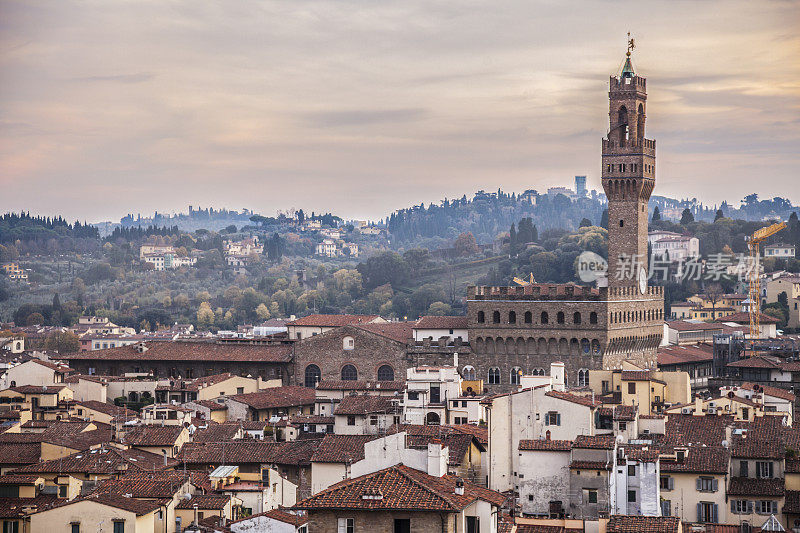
[481,317]
[349,373]
[576,318]
[385,373]
[528,317]
[545,318]
[592,318]
[512,317]
[622,121]
[516,373]
[560,317]
[312,376]
[496,317]
[583,377]
[468,373]
[640,122]
[494,376]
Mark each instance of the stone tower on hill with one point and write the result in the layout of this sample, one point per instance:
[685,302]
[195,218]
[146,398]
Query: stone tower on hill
[526,328]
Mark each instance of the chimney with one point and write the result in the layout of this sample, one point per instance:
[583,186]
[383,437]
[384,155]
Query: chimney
[437,458]
[459,490]
[455,360]
[698,406]
[557,376]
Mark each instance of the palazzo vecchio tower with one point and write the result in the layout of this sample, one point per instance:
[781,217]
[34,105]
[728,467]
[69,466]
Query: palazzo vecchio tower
[523,329]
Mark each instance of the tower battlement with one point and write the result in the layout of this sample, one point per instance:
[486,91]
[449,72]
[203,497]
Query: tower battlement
[634,83]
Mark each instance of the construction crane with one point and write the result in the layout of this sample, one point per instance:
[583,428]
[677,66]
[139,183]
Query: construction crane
[754,244]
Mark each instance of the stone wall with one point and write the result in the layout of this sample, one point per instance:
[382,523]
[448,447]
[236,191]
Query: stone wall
[381,521]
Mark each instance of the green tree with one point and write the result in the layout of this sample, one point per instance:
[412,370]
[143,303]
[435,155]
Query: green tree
[262,311]
[62,342]
[719,215]
[656,215]
[686,217]
[466,244]
[585,223]
[440,309]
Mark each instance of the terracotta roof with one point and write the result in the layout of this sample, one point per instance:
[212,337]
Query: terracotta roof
[287,396]
[205,501]
[400,488]
[39,389]
[758,361]
[366,404]
[106,460]
[360,385]
[20,453]
[396,331]
[744,318]
[590,465]
[597,442]
[58,367]
[574,398]
[332,321]
[457,444]
[771,391]
[16,479]
[792,502]
[164,484]
[19,507]
[748,486]
[133,505]
[625,412]
[297,452]
[545,445]
[341,448]
[190,351]
[698,460]
[481,433]
[280,515]
[108,408]
[442,322]
[212,405]
[154,435]
[217,432]
[643,524]
[679,354]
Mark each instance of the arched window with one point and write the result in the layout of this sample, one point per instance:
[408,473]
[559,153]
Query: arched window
[583,377]
[592,318]
[622,120]
[528,317]
[516,373]
[468,373]
[640,123]
[348,343]
[585,346]
[494,376]
[560,317]
[349,373]
[621,223]
[312,376]
[512,317]
[432,419]
[481,317]
[576,318]
[545,318]
[539,372]
[595,347]
[496,317]
[385,373]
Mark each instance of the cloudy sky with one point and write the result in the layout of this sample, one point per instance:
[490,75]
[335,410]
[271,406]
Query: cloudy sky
[362,107]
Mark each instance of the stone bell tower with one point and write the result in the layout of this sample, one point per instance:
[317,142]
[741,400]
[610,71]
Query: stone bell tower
[628,176]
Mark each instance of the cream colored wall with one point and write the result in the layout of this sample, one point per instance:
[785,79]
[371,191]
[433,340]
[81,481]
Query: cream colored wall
[775,287]
[29,373]
[92,516]
[685,497]
[219,416]
[85,390]
[228,388]
[323,475]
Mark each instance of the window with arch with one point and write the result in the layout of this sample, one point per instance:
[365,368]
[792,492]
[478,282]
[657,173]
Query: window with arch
[512,317]
[481,317]
[583,377]
[349,373]
[528,317]
[496,317]
[385,373]
[585,345]
[545,318]
[592,318]
[348,343]
[576,318]
[621,223]
[432,419]
[516,373]
[494,376]
[468,373]
[560,317]
[538,372]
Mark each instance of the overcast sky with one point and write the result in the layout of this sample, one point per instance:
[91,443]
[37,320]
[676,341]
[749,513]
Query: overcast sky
[362,107]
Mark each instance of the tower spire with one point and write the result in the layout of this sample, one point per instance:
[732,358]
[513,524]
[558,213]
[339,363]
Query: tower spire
[627,68]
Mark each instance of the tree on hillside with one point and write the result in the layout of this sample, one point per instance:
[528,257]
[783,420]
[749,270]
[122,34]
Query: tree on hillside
[656,215]
[585,223]
[686,217]
[714,294]
[719,215]
[466,244]
[62,342]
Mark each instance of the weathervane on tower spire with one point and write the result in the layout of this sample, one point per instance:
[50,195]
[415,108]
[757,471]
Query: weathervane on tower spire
[631,45]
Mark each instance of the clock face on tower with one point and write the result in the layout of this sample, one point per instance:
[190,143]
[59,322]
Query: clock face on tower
[642,280]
